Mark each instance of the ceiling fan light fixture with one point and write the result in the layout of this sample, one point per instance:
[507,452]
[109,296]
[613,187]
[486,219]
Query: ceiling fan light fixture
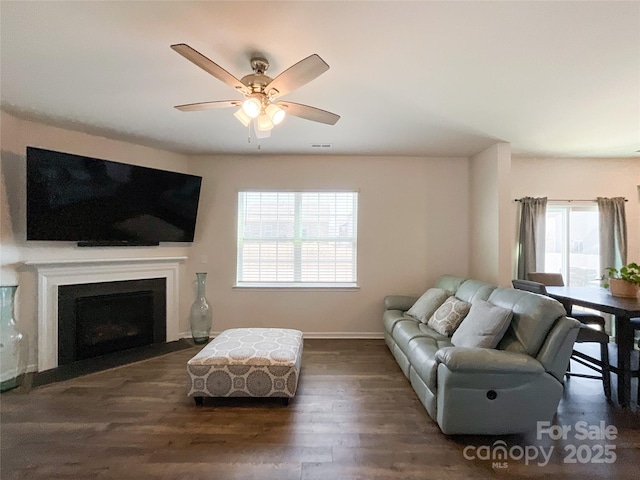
[261,133]
[264,123]
[276,114]
[252,106]
[243,117]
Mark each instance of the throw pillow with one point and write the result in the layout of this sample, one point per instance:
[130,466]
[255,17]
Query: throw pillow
[449,315]
[427,304]
[484,326]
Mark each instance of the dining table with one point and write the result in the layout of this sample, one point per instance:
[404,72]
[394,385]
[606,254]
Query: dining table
[623,309]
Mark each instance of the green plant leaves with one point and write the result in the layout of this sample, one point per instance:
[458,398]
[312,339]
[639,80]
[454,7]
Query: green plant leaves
[630,273]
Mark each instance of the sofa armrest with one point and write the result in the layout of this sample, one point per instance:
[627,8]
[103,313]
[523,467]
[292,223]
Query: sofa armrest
[558,346]
[485,360]
[492,392]
[399,302]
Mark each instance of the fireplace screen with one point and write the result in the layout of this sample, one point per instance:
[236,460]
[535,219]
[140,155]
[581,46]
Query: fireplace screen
[108,323]
[102,318]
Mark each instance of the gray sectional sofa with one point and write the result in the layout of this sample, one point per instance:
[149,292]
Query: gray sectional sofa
[493,389]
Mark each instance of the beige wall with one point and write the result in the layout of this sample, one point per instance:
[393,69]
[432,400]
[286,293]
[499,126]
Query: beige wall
[490,240]
[412,227]
[16,135]
[581,179]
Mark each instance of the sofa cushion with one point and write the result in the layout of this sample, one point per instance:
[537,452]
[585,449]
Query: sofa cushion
[449,315]
[483,327]
[473,290]
[391,317]
[423,359]
[405,331]
[427,304]
[533,317]
[450,283]
[442,340]
[408,329]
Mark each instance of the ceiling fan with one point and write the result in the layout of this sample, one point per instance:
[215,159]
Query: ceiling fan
[261,91]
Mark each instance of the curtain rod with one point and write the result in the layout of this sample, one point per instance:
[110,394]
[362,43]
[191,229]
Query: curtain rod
[557,200]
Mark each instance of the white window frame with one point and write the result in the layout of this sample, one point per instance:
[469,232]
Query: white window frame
[298,238]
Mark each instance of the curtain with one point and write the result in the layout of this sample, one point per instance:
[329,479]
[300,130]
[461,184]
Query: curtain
[532,236]
[613,232]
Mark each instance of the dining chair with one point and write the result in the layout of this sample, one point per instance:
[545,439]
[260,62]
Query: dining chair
[637,374]
[556,280]
[586,334]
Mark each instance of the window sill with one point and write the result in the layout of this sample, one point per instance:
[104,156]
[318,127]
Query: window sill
[294,286]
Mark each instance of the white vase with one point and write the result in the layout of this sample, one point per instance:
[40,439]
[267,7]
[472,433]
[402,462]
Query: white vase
[12,342]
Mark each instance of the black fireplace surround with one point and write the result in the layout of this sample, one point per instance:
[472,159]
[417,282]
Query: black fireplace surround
[97,319]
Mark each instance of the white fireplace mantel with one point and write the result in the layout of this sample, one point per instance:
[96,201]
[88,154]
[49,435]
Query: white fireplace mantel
[53,273]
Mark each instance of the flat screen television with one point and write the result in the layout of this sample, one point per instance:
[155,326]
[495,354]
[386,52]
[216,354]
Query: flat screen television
[100,202]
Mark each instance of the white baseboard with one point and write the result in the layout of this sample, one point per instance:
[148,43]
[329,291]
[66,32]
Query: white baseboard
[323,335]
[346,335]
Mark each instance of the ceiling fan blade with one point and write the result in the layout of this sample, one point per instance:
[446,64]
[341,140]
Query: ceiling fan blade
[297,75]
[309,113]
[192,107]
[209,66]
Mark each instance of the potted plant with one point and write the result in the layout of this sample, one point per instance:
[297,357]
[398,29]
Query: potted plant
[623,282]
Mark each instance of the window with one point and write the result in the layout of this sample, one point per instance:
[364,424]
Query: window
[572,245]
[297,239]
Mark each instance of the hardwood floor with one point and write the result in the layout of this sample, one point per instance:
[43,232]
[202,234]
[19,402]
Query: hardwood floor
[355,417]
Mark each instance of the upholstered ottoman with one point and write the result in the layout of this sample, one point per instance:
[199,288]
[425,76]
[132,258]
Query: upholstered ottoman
[247,362]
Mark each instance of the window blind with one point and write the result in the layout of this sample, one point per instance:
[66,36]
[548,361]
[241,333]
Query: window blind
[297,238]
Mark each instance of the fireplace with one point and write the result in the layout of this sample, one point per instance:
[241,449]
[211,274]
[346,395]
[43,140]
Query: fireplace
[96,319]
[53,275]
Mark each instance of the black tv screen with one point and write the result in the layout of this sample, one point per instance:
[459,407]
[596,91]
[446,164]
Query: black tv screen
[93,201]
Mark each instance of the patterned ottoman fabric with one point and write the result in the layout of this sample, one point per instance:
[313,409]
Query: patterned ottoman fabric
[247,362]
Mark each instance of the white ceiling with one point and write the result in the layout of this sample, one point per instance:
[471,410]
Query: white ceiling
[408,78]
